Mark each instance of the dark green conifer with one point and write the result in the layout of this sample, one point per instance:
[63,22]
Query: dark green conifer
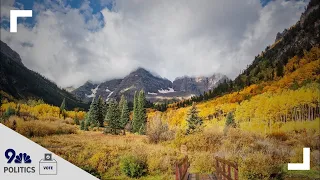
[230,120]
[82,125]
[135,126]
[76,120]
[62,108]
[113,117]
[142,117]
[193,120]
[125,113]
[100,114]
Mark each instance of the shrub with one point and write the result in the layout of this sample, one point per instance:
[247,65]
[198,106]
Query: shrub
[260,166]
[49,118]
[76,121]
[282,136]
[202,162]
[132,166]
[68,121]
[315,159]
[91,171]
[38,128]
[14,125]
[162,160]
[9,112]
[208,140]
[158,131]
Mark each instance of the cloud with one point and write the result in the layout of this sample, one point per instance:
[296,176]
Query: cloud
[5,7]
[170,38]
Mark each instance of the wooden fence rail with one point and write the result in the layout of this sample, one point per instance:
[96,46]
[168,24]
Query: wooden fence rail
[226,170]
[182,169]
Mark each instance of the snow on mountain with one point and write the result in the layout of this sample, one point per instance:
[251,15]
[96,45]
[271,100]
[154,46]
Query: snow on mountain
[151,93]
[94,92]
[164,91]
[156,87]
[109,96]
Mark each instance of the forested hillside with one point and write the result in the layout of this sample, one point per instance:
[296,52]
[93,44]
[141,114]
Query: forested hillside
[19,82]
[270,64]
[293,97]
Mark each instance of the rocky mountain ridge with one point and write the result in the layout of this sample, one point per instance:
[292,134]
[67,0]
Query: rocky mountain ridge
[156,88]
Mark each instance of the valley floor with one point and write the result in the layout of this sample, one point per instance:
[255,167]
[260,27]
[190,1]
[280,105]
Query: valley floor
[258,156]
[100,154]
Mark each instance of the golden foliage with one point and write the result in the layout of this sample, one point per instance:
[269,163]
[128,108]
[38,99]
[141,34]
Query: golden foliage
[41,111]
[39,128]
[267,102]
[102,153]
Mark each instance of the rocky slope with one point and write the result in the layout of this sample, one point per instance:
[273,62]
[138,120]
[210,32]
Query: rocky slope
[90,90]
[156,88]
[197,85]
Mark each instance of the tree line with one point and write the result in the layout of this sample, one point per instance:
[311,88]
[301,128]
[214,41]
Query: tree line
[115,116]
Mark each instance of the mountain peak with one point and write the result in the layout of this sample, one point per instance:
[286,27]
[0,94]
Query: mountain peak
[140,70]
[156,87]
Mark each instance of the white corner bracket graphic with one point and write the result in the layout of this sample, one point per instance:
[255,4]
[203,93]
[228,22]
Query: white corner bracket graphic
[302,166]
[14,14]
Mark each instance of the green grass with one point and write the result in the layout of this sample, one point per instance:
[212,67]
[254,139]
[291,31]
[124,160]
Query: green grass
[301,175]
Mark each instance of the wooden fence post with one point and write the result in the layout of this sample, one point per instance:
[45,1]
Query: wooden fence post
[177,172]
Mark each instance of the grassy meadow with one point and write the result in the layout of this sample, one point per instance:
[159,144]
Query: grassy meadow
[259,156]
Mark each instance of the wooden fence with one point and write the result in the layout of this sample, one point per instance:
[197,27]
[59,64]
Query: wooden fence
[182,169]
[226,170]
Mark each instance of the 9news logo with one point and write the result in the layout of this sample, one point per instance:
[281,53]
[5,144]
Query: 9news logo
[18,162]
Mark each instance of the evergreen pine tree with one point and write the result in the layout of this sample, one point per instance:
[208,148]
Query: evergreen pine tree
[105,108]
[230,120]
[87,119]
[141,111]
[89,116]
[18,110]
[86,125]
[135,125]
[121,102]
[62,107]
[193,120]
[92,114]
[100,114]
[82,124]
[76,120]
[125,114]
[95,115]
[113,117]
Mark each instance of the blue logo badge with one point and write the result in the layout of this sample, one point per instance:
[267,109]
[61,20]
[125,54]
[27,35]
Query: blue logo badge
[10,154]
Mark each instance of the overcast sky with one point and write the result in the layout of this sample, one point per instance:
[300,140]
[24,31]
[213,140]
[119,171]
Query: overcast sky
[71,41]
